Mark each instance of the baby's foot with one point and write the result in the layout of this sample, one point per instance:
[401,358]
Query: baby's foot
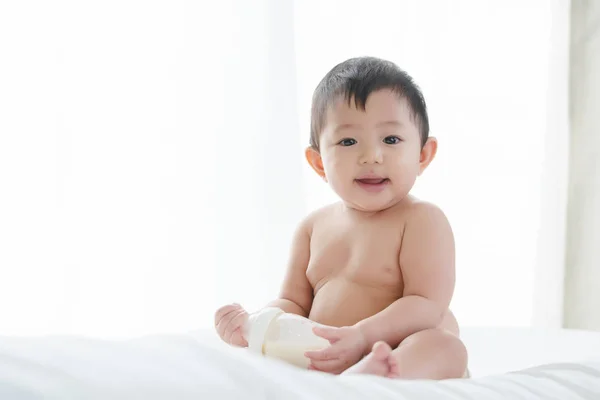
[376,363]
[394,371]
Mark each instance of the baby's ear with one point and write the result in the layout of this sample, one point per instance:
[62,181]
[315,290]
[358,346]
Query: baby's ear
[316,162]
[427,153]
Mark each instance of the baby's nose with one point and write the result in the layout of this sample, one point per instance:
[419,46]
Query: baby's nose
[372,155]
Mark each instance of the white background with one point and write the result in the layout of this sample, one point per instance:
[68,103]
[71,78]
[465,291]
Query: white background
[151,153]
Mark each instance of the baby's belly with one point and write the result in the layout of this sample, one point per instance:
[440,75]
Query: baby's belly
[342,302]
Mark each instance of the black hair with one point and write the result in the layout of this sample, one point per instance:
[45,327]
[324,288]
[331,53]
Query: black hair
[356,78]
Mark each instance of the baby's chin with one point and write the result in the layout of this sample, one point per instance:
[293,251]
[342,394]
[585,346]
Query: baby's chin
[371,206]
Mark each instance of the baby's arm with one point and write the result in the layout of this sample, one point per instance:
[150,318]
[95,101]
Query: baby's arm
[427,263]
[296,293]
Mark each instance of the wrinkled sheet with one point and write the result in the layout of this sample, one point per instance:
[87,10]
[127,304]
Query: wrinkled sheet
[194,367]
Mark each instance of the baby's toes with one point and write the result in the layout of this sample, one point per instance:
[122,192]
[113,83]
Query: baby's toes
[381,351]
[393,367]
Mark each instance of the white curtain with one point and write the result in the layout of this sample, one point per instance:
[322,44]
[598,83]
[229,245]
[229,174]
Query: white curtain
[151,164]
[582,300]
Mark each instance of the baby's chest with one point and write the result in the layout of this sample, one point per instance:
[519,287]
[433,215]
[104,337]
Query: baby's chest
[363,256]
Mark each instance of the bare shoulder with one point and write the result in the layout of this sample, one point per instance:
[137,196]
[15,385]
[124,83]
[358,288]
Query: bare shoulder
[318,216]
[420,211]
[427,232]
[322,214]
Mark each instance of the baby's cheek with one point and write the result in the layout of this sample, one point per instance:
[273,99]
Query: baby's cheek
[337,164]
[335,172]
[340,186]
[407,169]
[335,183]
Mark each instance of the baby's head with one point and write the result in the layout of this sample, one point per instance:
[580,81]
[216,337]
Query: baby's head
[369,133]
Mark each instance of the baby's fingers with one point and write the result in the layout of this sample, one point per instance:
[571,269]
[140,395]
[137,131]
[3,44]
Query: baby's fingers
[328,353]
[329,333]
[330,366]
[223,311]
[236,324]
[224,324]
[237,339]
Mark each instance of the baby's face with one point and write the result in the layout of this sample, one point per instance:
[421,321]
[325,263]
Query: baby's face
[371,158]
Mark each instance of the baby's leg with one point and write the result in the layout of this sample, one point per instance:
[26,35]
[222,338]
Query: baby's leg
[429,354]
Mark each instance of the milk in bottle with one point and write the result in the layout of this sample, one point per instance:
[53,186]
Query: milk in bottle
[283,336]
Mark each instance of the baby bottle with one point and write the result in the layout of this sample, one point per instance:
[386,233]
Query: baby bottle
[284,336]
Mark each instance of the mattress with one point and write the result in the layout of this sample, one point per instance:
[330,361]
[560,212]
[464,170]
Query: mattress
[506,363]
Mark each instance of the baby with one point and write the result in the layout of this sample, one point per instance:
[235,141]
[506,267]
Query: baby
[377,268]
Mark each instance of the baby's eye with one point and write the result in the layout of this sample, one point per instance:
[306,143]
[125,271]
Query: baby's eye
[347,142]
[392,140]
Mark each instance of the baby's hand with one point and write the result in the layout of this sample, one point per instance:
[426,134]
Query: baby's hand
[348,345]
[230,321]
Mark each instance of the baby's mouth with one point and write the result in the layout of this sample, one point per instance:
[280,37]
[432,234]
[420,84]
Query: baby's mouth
[372,181]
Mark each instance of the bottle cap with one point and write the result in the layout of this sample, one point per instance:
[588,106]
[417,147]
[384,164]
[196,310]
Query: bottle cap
[258,324]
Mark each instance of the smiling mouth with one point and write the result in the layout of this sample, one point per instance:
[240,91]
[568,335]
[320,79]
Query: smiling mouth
[373,181]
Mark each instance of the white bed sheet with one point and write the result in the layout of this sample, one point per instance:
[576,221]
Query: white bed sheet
[498,350]
[199,367]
